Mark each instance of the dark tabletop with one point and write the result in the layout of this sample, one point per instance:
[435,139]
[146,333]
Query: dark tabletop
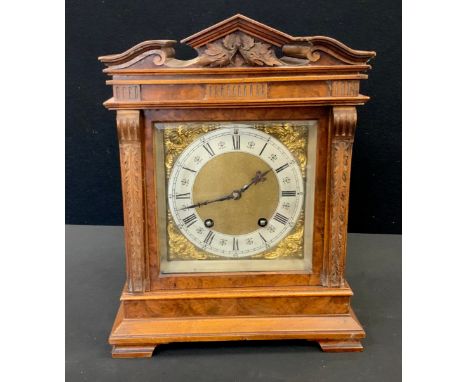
[95,275]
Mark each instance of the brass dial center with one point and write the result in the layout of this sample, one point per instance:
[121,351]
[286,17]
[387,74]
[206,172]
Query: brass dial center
[227,174]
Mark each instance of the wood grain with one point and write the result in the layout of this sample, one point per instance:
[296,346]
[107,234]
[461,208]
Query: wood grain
[236,76]
[164,330]
[272,306]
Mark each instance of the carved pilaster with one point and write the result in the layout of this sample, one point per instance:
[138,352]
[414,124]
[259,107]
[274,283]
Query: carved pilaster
[129,132]
[343,128]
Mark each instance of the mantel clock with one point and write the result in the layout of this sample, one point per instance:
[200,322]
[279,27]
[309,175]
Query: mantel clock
[235,173]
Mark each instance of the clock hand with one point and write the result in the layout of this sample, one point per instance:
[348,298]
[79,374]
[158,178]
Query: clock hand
[236,194]
[259,177]
[226,197]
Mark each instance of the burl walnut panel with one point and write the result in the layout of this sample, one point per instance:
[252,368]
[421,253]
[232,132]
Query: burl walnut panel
[237,307]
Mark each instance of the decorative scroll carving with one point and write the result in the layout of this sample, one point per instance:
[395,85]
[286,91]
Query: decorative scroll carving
[344,124]
[238,41]
[302,51]
[128,128]
[161,49]
[238,49]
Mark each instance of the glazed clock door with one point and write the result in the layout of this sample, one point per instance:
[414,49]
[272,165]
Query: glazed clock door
[235,196]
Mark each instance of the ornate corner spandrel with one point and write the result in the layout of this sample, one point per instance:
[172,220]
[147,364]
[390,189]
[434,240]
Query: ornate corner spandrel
[343,128]
[129,134]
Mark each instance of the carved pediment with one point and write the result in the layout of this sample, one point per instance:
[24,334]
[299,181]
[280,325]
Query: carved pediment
[240,42]
[238,23]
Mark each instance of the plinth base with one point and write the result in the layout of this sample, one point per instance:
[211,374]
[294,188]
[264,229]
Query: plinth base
[138,337]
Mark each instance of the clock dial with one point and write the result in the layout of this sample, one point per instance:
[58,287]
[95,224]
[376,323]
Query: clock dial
[235,192]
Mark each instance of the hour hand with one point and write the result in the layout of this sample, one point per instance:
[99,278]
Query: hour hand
[259,177]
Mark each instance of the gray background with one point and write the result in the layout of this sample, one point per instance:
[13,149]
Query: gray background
[95,276]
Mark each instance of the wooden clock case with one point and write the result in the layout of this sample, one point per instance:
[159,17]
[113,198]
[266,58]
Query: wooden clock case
[237,76]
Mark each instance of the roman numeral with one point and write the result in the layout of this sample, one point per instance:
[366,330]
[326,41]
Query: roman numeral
[280,218]
[188,169]
[189,220]
[209,238]
[236,142]
[279,169]
[208,148]
[235,244]
[288,193]
[263,148]
[183,196]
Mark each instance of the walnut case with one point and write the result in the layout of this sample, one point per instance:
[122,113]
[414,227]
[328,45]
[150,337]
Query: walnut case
[238,75]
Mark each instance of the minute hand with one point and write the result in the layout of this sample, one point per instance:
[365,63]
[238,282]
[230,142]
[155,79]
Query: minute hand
[196,205]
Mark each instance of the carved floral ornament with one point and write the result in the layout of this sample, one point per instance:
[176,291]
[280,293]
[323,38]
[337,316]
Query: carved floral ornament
[238,49]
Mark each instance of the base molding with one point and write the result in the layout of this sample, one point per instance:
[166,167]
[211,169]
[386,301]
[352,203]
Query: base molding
[136,338]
